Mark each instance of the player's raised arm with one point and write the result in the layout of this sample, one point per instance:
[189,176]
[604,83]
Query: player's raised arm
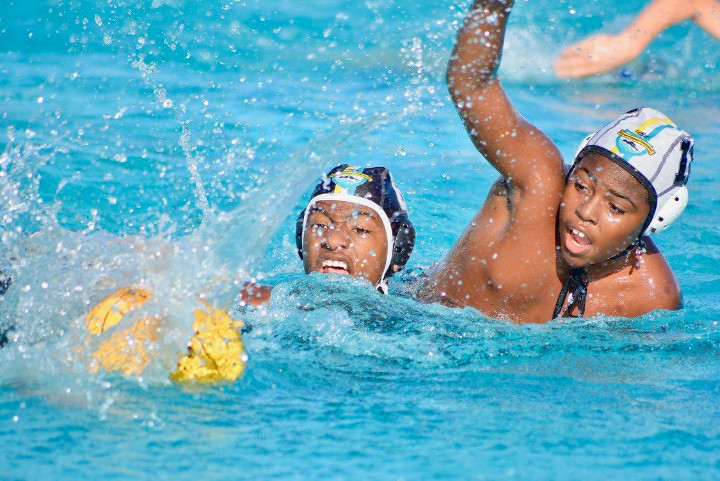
[516,148]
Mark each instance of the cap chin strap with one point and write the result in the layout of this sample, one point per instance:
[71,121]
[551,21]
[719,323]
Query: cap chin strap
[576,284]
[574,287]
[639,242]
[381,284]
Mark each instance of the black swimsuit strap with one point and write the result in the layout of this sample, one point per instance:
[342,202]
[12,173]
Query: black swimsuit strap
[576,284]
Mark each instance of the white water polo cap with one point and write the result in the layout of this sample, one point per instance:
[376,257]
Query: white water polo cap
[656,152]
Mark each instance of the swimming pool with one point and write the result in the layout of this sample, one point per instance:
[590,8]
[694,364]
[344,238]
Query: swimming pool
[172,142]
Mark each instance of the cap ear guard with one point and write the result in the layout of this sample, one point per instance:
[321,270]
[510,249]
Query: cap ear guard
[299,233]
[672,203]
[403,245]
[668,213]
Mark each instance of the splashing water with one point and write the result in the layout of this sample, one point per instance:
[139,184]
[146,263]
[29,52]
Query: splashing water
[170,144]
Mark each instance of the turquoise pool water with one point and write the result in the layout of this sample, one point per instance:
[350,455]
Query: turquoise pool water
[173,142]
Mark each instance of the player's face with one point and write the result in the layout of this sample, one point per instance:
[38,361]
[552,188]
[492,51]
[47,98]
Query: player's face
[602,211]
[345,238]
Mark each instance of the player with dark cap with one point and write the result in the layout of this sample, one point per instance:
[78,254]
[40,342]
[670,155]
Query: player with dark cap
[356,223]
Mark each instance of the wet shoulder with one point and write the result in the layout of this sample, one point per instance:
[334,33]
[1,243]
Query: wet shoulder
[646,286]
[659,284]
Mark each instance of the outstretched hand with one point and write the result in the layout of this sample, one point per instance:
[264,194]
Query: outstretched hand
[593,55]
[602,53]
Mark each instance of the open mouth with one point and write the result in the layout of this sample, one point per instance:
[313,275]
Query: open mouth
[576,241]
[334,267]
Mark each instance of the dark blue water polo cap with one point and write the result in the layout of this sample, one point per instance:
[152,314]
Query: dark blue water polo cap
[374,188]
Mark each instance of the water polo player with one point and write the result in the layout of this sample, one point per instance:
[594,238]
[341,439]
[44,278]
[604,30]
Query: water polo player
[356,223]
[545,244]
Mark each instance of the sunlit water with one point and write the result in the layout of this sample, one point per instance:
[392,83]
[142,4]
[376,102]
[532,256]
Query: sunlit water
[171,143]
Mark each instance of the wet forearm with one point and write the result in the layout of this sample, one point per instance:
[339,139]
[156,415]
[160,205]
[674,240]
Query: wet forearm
[506,140]
[478,49]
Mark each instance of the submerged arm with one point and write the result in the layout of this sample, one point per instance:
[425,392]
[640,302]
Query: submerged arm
[255,294]
[517,149]
[601,53]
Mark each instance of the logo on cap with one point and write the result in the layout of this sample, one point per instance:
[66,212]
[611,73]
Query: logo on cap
[349,178]
[633,143]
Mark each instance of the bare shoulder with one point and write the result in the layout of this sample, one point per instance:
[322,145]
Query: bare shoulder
[657,285]
[646,286]
[652,286]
